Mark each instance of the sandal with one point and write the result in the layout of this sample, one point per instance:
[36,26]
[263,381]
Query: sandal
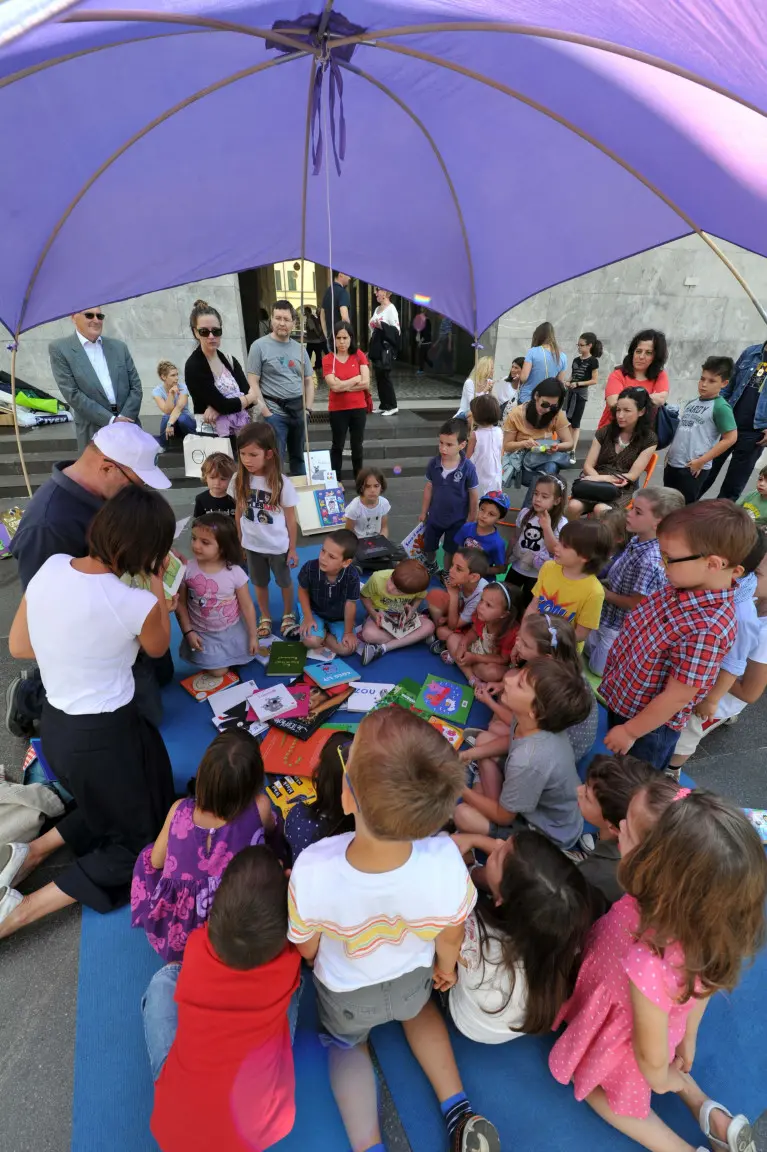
[739,1133]
[446,657]
[288,624]
[264,628]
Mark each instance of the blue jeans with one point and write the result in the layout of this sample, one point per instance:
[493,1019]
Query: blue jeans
[160,1013]
[184,424]
[287,420]
[656,747]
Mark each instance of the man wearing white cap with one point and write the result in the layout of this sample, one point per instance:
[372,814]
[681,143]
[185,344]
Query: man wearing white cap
[57,519]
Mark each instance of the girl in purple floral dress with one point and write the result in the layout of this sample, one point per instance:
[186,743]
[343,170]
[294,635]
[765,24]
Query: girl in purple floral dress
[175,878]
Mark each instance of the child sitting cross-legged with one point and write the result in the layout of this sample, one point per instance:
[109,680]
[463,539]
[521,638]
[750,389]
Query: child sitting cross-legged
[308,821]
[483,653]
[380,914]
[522,949]
[175,878]
[668,654]
[394,596]
[539,781]
[567,585]
[604,800]
[453,607]
[328,592]
[636,571]
[692,916]
[219,1028]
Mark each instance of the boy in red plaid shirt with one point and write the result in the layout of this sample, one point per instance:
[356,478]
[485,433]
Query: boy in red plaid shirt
[667,655]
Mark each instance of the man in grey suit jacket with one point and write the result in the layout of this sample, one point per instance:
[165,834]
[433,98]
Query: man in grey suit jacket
[96,377]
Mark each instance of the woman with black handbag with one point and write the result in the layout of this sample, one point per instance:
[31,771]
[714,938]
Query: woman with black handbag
[536,436]
[620,452]
[383,349]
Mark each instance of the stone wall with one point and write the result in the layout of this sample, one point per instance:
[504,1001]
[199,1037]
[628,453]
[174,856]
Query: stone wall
[712,316]
[155,327]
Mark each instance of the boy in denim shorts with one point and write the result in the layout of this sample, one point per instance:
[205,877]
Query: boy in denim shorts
[380,912]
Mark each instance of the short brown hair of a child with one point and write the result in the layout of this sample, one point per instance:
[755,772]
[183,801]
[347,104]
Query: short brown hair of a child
[486,410]
[713,528]
[346,541]
[164,367]
[614,780]
[562,696]
[410,577]
[248,923]
[218,464]
[405,776]
[364,475]
[662,501]
[720,366]
[592,540]
[763,472]
[476,560]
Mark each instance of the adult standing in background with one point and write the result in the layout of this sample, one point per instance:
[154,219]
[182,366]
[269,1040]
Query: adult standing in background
[313,336]
[336,303]
[383,348]
[421,338]
[217,385]
[441,355]
[543,361]
[347,376]
[746,395]
[96,376]
[281,377]
[642,367]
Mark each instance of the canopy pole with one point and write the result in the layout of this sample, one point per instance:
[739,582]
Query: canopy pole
[14,349]
[304,189]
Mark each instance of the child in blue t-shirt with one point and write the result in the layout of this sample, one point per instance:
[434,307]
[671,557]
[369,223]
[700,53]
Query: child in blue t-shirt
[452,492]
[483,532]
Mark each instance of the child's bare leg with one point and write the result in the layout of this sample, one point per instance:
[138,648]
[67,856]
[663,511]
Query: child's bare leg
[453,640]
[694,1097]
[429,1042]
[651,1133]
[372,634]
[287,599]
[262,599]
[33,907]
[492,674]
[490,777]
[354,1086]
[444,631]
[39,850]
[468,819]
[334,645]
[315,641]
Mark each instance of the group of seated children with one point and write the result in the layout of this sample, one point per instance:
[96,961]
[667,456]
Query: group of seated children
[385,908]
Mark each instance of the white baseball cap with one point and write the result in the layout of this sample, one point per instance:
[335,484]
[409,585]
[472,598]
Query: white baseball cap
[127,444]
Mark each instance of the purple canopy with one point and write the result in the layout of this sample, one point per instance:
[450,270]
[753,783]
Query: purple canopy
[469,151]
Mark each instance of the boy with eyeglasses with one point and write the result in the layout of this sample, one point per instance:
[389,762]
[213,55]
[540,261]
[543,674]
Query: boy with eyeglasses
[667,655]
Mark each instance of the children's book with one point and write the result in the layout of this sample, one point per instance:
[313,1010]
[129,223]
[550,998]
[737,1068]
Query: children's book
[446,699]
[323,655]
[265,649]
[228,697]
[272,702]
[365,696]
[405,694]
[328,675]
[330,507]
[300,694]
[284,754]
[323,704]
[171,577]
[290,790]
[452,734]
[204,684]
[286,658]
[399,624]
[317,465]
[240,717]
[757,816]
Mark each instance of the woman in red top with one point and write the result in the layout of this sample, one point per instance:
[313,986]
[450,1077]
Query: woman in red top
[347,375]
[642,367]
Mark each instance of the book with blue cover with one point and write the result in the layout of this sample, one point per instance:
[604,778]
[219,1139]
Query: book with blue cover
[330,674]
[330,507]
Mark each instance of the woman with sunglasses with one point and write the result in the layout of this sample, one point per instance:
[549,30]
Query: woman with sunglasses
[218,387]
[536,436]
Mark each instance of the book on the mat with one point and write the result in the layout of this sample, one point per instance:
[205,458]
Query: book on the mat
[331,674]
[446,699]
[204,684]
[365,696]
[242,717]
[400,624]
[323,655]
[272,702]
[330,506]
[265,649]
[452,734]
[290,790]
[322,706]
[286,658]
[300,694]
[228,697]
[405,694]
[286,755]
[757,816]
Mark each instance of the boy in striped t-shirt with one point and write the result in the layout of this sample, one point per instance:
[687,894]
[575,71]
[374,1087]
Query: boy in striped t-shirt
[380,912]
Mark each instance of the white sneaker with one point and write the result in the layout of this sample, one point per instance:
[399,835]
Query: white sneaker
[388,411]
[572,458]
[12,865]
[9,900]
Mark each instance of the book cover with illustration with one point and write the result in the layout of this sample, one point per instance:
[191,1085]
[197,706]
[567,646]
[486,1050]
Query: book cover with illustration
[365,696]
[240,716]
[286,658]
[272,702]
[758,817]
[171,577]
[323,704]
[446,699]
[405,694]
[452,734]
[228,697]
[328,675]
[203,684]
[290,790]
[400,624]
[330,507]
[285,754]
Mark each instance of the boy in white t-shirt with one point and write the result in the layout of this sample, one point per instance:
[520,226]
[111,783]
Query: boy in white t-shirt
[380,913]
[368,513]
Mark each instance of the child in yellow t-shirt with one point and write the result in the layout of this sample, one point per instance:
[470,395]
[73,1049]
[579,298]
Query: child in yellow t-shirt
[394,596]
[567,585]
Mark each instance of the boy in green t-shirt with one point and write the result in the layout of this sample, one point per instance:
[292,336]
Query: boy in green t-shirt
[706,429]
[391,600]
[755,502]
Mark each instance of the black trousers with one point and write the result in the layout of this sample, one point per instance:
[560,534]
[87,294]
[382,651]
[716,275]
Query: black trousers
[149,673]
[683,481]
[351,420]
[118,770]
[742,457]
[387,397]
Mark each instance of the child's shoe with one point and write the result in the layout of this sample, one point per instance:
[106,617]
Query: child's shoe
[371,652]
[437,647]
[474,1133]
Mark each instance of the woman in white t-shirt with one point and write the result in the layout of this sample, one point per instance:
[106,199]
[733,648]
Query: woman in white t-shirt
[383,348]
[522,947]
[84,626]
[477,383]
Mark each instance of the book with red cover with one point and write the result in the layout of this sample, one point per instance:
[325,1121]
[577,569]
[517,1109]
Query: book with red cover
[286,755]
[204,684]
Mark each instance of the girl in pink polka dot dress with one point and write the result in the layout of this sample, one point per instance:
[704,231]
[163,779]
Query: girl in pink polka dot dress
[696,877]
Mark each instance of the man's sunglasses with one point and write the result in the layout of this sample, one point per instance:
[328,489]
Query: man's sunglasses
[209,332]
[93,315]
